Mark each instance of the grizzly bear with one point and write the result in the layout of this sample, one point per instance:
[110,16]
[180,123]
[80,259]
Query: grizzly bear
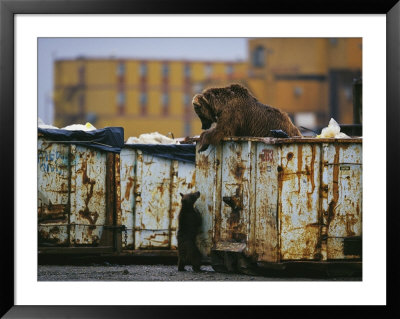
[189,222]
[237,113]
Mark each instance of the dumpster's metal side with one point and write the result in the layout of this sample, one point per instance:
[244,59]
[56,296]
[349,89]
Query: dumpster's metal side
[298,204]
[78,191]
[282,200]
[266,197]
[235,192]
[150,200]
[53,193]
[88,206]
[127,169]
[342,200]
[208,171]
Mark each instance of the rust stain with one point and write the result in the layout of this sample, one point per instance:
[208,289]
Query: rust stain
[85,213]
[299,164]
[128,188]
[118,189]
[290,156]
[193,181]
[350,222]
[312,168]
[90,216]
[335,186]
[236,229]
[238,171]
[54,230]
[309,201]
[280,183]
[203,162]
[331,211]
[160,188]
[52,212]
[90,230]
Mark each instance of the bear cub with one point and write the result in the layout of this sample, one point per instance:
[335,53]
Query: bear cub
[189,222]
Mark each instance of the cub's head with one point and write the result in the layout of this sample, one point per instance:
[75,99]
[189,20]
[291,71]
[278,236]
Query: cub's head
[190,198]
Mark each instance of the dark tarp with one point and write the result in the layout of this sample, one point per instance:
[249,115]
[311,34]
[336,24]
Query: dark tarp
[179,152]
[110,139]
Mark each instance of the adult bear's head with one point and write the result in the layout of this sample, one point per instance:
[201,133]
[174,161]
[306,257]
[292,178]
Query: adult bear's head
[210,102]
[204,111]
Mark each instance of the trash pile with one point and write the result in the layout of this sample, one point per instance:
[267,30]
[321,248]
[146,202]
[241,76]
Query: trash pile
[43,125]
[74,127]
[152,138]
[333,130]
[80,127]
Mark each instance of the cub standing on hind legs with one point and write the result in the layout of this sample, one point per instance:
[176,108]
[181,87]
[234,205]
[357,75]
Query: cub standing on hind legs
[188,228]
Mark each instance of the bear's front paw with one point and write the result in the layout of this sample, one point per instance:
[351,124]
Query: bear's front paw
[203,147]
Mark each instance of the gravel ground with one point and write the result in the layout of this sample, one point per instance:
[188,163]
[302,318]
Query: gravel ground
[112,272]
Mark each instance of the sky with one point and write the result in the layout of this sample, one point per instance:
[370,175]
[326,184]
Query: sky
[51,49]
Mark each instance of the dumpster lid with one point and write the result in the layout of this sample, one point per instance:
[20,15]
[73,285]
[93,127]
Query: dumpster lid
[109,139]
[179,152]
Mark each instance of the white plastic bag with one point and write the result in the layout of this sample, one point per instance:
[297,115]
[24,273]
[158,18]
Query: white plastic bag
[151,138]
[333,130]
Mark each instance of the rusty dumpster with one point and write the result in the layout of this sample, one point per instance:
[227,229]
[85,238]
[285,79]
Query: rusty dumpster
[275,202]
[78,192]
[152,176]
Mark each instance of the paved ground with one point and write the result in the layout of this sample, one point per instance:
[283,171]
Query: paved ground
[112,272]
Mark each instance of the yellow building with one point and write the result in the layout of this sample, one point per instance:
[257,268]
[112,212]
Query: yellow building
[310,78]
[142,96]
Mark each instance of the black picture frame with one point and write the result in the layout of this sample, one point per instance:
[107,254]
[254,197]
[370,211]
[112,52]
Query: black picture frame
[8,9]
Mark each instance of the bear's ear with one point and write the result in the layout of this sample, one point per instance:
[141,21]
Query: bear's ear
[181,194]
[237,88]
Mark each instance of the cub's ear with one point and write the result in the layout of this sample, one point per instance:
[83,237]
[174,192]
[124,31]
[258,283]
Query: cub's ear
[181,194]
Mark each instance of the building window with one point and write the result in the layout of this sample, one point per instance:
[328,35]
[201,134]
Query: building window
[143,98]
[165,103]
[91,118]
[164,99]
[165,69]
[81,101]
[81,74]
[121,98]
[143,103]
[298,91]
[208,70]
[186,99]
[121,69]
[197,88]
[229,69]
[333,41]
[258,57]
[188,129]
[143,69]
[186,70]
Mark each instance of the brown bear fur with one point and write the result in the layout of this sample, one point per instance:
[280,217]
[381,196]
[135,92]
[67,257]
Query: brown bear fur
[189,222]
[237,113]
